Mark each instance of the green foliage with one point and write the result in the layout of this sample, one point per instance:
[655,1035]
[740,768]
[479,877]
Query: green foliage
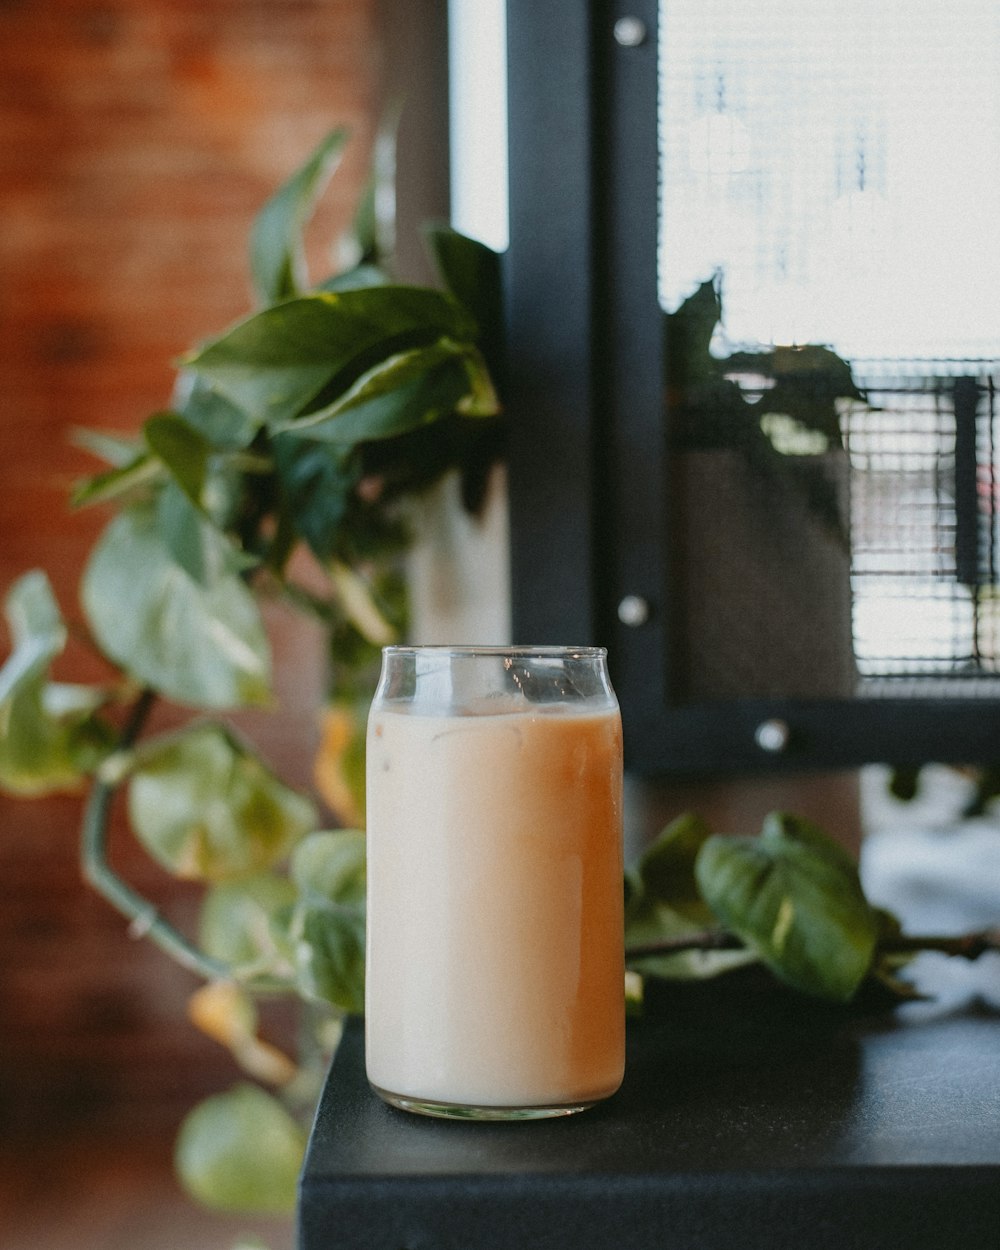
[243,924]
[50,735]
[298,356]
[471,272]
[241,1151]
[402,393]
[309,424]
[794,897]
[667,869]
[663,901]
[199,642]
[208,809]
[790,897]
[327,926]
[308,427]
[277,260]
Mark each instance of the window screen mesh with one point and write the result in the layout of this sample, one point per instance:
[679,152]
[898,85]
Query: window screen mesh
[925,526]
[836,169]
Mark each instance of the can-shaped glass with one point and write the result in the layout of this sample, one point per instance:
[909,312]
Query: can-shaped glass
[495,956]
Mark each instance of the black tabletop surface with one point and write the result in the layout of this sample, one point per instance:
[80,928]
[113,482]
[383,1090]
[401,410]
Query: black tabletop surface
[748,1118]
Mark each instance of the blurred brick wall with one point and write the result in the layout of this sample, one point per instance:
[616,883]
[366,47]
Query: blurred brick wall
[137,140]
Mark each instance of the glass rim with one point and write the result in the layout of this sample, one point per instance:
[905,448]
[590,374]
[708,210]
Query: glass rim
[518,651]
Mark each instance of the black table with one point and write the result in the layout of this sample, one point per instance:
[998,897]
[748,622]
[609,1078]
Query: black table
[747,1119]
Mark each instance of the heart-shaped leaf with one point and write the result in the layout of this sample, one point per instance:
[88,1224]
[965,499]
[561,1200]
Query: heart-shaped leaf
[49,735]
[316,482]
[201,549]
[208,809]
[241,925]
[332,867]
[125,479]
[399,394]
[182,449]
[471,272]
[200,644]
[328,923]
[666,870]
[793,896]
[220,421]
[276,362]
[241,1151]
[277,258]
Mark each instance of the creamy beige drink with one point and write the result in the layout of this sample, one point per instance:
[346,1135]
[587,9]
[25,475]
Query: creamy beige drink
[495,949]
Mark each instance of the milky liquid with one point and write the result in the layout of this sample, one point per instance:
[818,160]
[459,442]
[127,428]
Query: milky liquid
[495,944]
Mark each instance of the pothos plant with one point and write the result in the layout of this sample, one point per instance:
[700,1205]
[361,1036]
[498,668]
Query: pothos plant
[311,425]
[308,427]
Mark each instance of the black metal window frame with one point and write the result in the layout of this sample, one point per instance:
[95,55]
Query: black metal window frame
[588,448]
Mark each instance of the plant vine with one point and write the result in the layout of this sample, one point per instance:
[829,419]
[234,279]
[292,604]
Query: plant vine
[309,427]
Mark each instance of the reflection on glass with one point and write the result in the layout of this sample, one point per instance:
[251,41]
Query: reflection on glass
[829,176]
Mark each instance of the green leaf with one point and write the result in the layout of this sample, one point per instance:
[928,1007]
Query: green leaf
[240,924]
[241,1151]
[49,737]
[200,548]
[793,896]
[371,238]
[666,870]
[328,923]
[277,258]
[37,628]
[331,866]
[114,449]
[405,391]
[208,809]
[481,399]
[357,599]
[355,279]
[182,449]
[471,272]
[275,363]
[225,425]
[361,243]
[663,902]
[200,645]
[648,920]
[114,483]
[330,956]
[778,827]
[316,483]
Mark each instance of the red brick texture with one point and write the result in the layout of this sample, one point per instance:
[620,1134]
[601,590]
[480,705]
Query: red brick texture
[137,139]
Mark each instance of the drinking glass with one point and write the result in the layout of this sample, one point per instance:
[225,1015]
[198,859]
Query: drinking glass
[495,960]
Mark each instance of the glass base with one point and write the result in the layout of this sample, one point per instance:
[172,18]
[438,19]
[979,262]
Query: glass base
[468,1111]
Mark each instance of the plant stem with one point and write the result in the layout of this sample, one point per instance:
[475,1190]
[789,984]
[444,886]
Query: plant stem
[705,940]
[146,919]
[966,945]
